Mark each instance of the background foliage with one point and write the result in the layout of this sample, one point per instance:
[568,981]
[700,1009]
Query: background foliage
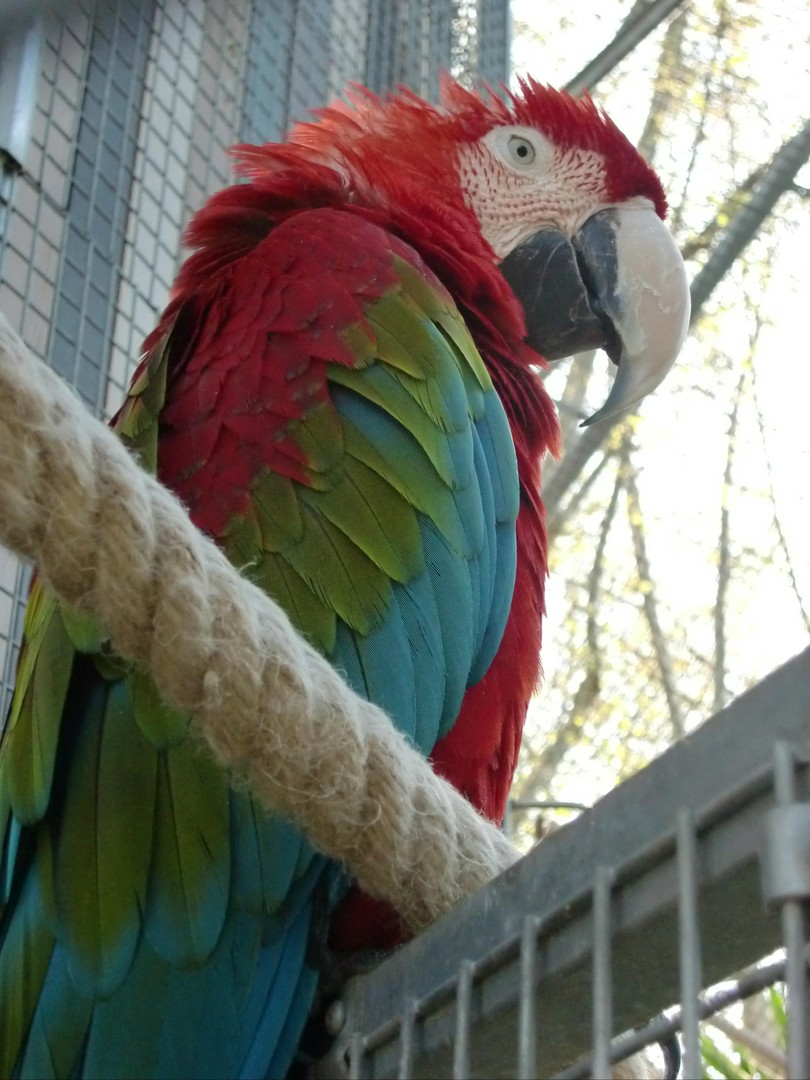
[678,569]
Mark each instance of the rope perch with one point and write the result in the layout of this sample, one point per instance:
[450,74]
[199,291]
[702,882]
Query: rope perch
[110,540]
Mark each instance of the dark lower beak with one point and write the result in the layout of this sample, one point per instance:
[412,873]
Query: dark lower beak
[618,284]
[564,314]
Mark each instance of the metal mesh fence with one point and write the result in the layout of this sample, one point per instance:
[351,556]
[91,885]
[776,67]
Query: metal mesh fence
[95,178]
[133,107]
[188,116]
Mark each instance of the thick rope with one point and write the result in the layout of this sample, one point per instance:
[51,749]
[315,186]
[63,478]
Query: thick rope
[110,540]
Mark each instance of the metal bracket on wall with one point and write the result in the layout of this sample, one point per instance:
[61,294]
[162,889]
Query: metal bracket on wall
[786,854]
[20,56]
[785,865]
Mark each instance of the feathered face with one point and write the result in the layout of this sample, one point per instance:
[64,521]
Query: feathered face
[516,181]
[570,210]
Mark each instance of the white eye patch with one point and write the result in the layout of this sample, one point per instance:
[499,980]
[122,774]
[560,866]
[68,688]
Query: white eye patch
[521,149]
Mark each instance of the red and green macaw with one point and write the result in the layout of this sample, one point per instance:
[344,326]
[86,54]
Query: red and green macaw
[345,391]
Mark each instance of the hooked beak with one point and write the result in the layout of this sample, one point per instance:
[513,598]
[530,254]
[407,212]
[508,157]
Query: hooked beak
[619,284]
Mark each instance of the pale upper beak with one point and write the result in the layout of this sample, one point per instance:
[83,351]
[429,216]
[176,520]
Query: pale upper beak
[619,284]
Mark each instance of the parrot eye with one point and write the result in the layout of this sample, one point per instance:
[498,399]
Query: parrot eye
[520,150]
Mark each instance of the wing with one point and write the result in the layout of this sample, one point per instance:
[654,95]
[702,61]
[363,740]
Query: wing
[322,410]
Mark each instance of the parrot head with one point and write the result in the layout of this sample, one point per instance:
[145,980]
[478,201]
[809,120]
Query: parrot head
[554,193]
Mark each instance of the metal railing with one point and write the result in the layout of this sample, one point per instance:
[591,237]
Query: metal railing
[695,868]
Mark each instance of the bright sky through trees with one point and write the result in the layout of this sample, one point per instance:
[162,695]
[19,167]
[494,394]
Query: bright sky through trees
[721,453]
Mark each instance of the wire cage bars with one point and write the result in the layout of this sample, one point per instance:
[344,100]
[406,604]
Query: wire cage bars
[697,867]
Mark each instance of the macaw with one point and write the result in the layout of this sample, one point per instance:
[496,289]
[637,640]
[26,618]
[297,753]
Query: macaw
[345,390]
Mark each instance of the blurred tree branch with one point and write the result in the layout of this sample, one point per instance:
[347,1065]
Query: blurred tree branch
[647,586]
[723,552]
[557,520]
[777,178]
[644,17]
[777,521]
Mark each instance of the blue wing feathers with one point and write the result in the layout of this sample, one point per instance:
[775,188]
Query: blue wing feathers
[26,951]
[483,569]
[8,860]
[500,458]
[372,671]
[116,1045]
[470,576]
[189,887]
[58,1027]
[259,842]
[420,621]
